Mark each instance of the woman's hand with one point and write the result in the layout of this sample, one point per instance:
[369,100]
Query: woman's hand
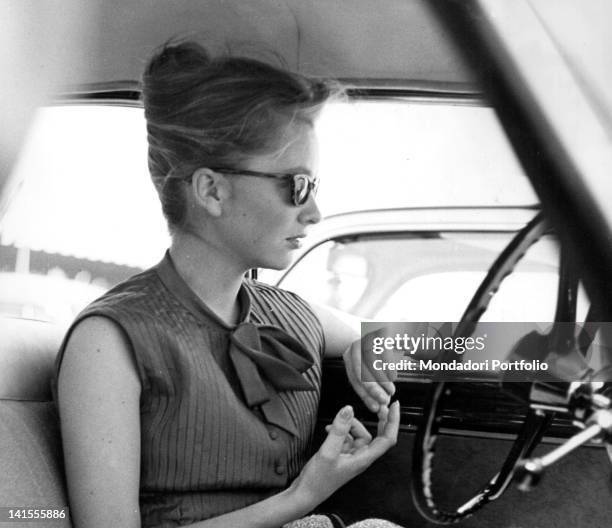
[347,451]
[375,388]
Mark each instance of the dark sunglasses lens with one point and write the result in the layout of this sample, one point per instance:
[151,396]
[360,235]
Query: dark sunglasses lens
[300,189]
[303,185]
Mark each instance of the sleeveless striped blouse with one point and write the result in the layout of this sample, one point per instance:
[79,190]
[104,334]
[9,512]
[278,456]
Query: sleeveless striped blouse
[204,452]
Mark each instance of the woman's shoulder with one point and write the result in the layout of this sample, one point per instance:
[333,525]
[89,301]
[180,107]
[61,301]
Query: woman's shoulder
[96,350]
[107,324]
[134,287]
[97,334]
[142,293]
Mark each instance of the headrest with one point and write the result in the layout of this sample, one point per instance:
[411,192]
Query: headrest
[27,354]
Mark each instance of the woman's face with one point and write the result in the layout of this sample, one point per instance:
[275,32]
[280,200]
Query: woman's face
[263,227]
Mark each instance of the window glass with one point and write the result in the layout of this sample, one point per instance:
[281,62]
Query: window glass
[412,277]
[394,154]
[80,213]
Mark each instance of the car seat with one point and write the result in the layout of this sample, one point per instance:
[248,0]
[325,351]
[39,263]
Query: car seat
[31,465]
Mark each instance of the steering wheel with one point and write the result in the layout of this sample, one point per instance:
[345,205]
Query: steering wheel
[535,422]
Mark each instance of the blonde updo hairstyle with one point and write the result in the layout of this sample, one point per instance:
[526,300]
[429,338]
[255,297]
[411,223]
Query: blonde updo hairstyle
[207,112]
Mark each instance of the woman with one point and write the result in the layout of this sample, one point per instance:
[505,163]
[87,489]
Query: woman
[187,395]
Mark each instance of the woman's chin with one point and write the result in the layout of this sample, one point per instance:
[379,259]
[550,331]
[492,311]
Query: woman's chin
[279,263]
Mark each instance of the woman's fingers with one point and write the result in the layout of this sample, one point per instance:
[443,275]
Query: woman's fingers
[389,429]
[358,436]
[383,414]
[359,431]
[350,436]
[382,386]
[360,389]
[337,433]
[379,391]
[348,445]
[349,442]
[363,455]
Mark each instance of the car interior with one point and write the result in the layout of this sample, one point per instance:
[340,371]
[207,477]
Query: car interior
[455,229]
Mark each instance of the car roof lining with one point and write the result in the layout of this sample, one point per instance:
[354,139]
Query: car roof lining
[399,41]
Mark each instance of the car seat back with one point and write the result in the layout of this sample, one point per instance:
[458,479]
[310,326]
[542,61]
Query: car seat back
[31,464]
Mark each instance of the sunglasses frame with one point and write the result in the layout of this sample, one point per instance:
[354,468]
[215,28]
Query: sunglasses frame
[312,182]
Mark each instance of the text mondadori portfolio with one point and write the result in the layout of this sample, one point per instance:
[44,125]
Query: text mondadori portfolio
[431,365]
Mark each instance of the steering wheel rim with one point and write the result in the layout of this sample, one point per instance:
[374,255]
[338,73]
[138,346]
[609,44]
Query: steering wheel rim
[535,422]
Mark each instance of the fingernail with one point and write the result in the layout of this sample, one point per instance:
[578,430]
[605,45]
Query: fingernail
[375,407]
[346,413]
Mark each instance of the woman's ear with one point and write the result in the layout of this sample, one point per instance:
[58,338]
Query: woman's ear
[210,190]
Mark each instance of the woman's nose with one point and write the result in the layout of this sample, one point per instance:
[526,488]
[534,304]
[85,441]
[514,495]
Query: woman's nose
[310,213]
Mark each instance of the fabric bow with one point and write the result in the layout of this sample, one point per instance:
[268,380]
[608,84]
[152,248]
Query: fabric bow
[267,360]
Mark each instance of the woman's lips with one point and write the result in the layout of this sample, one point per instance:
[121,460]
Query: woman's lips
[295,242]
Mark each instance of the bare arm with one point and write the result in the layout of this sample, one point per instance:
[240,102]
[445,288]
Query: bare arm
[343,339]
[99,393]
[341,329]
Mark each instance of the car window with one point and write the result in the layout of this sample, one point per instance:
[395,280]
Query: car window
[427,277]
[81,213]
[397,154]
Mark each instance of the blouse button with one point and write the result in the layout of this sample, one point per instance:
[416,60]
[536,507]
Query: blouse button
[273,435]
[279,468]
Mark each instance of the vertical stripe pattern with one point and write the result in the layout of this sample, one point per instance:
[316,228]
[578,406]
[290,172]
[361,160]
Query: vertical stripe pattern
[203,451]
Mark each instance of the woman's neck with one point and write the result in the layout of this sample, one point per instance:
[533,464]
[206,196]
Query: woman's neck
[214,280]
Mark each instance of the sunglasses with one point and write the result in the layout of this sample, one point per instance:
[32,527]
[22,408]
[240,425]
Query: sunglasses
[302,185]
